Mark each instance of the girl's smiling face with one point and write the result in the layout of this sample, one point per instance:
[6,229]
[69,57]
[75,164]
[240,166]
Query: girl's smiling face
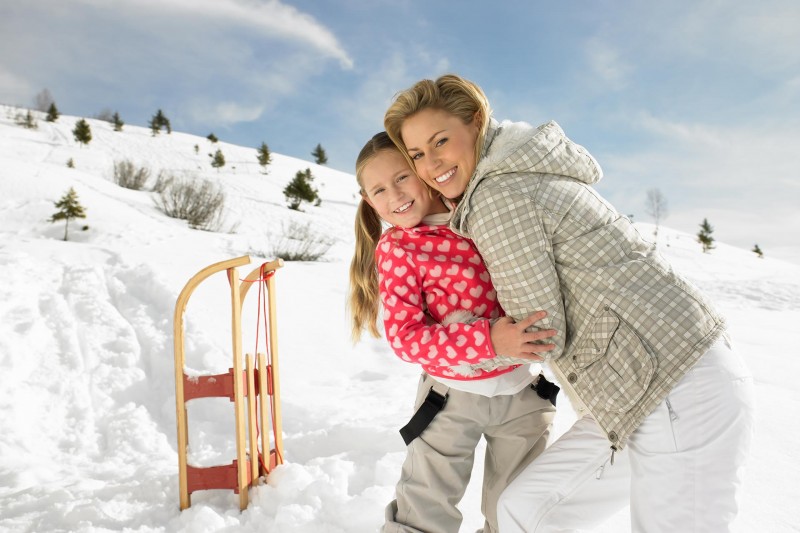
[395,193]
[442,147]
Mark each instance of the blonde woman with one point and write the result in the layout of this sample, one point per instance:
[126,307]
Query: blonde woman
[665,405]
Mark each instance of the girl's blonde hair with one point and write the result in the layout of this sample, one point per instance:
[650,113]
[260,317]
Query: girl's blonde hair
[450,93]
[364,298]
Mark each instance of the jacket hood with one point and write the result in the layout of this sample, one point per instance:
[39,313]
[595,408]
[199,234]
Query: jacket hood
[517,147]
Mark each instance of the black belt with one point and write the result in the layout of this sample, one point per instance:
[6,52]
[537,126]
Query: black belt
[545,389]
[433,403]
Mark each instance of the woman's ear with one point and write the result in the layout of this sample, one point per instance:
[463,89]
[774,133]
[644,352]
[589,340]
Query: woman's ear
[477,118]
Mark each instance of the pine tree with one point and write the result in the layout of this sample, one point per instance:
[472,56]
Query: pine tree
[52,113]
[211,137]
[756,250]
[155,127]
[264,156]
[218,160]
[300,190]
[704,236]
[82,132]
[118,123]
[68,208]
[319,155]
[158,121]
[27,121]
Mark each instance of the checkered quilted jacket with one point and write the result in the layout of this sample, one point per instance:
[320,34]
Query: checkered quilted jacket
[629,327]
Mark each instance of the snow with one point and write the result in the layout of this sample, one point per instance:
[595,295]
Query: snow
[88,440]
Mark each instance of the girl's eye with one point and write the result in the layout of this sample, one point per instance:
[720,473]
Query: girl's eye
[441,141]
[401,178]
[377,192]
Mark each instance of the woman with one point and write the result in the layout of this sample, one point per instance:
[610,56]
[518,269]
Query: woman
[641,353]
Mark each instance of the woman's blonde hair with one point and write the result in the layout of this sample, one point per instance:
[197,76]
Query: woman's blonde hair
[450,93]
[364,300]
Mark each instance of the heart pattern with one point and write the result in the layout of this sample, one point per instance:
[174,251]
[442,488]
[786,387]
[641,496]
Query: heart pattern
[437,297]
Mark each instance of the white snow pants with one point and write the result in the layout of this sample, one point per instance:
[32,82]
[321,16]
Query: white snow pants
[680,471]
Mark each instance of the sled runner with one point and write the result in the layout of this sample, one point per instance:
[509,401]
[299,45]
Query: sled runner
[254,389]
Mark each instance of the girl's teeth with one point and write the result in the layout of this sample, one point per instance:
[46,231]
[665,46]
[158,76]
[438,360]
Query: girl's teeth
[403,208]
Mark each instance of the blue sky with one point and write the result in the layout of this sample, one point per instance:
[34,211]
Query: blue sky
[700,99]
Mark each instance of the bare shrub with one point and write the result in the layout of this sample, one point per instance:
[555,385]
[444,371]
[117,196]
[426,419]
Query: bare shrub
[162,182]
[127,175]
[299,242]
[106,115]
[199,202]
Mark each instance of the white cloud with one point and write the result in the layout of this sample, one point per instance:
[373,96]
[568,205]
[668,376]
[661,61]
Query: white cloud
[742,178]
[224,113]
[607,64]
[271,17]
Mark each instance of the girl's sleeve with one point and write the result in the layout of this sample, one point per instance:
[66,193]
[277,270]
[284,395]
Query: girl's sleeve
[411,336]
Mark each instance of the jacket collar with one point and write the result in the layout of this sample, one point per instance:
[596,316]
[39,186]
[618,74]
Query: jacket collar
[517,147]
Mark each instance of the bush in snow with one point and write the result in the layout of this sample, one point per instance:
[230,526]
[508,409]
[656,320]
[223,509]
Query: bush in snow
[127,175]
[299,242]
[199,202]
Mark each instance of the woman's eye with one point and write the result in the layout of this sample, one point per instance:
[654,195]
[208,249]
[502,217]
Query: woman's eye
[417,156]
[441,141]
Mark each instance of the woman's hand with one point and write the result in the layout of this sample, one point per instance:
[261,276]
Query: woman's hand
[509,338]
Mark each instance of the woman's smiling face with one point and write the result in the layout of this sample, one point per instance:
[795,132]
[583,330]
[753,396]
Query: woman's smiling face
[395,193]
[442,148]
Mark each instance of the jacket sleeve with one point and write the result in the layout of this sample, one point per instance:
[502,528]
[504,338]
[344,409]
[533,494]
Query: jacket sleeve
[411,336]
[512,234]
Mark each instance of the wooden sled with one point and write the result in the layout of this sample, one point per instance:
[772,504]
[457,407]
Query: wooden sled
[254,390]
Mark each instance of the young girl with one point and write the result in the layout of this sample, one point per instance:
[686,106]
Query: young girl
[643,354]
[438,309]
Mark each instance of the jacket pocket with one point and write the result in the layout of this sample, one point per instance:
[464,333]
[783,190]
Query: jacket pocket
[613,367]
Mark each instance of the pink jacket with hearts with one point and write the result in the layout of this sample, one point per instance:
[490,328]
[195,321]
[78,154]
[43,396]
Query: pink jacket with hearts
[431,268]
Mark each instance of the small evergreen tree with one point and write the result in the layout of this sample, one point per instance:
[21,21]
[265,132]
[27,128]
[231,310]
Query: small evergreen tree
[118,123]
[158,121]
[300,190]
[319,155]
[756,250]
[68,208]
[52,113]
[82,132]
[27,120]
[218,160]
[704,236]
[70,163]
[196,149]
[211,137]
[264,156]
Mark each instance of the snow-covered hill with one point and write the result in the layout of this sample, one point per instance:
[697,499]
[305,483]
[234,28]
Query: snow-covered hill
[88,434]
